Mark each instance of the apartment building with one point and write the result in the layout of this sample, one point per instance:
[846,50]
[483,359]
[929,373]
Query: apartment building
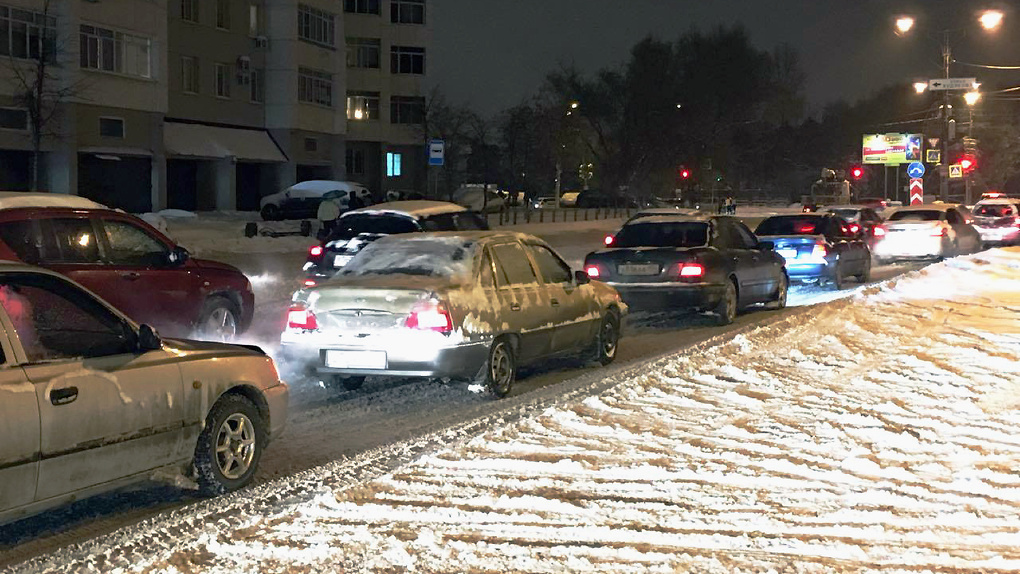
[212,104]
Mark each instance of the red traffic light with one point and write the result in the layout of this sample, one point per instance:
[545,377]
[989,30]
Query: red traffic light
[857,172]
[967,164]
[685,173]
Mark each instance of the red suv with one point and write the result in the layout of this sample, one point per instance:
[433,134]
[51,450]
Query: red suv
[126,262]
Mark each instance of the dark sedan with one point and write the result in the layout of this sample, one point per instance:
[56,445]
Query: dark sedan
[822,247]
[690,262]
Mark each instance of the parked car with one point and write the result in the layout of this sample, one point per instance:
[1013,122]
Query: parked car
[463,305]
[91,401]
[818,247]
[998,221]
[127,262]
[690,262]
[861,218]
[301,200]
[544,203]
[360,227]
[930,231]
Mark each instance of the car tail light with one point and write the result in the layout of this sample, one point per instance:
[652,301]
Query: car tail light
[1016,222]
[690,270]
[805,228]
[301,317]
[309,283]
[854,228]
[315,251]
[819,251]
[593,271]
[878,231]
[938,232]
[431,316]
[608,240]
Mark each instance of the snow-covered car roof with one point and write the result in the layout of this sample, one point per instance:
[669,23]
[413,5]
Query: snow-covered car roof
[669,218]
[998,201]
[930,207]
[324,185]
[650,211]
[414,208]
[23,199]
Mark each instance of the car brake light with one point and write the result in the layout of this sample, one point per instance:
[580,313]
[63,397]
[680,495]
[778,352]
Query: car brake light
[805,228]
[608,240]
[315,251]
[819,251]
[938,232]
[300,317]
[692,270]
[878,231]
[431,316]
[854,228]
[593,271]
[309,283]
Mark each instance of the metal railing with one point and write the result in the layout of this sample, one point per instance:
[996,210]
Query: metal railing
[521,215]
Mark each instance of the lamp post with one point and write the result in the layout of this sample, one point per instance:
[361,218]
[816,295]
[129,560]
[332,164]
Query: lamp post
[990,20]
[571,108]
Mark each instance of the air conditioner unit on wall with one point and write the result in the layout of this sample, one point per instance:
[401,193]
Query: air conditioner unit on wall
[261,42]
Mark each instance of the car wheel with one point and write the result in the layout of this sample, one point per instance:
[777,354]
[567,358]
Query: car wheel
[865,274]
[230,445]
[348,383]
[726,310]
[218,320]
[270,212]
[782,291]
[500,368]
[607,340]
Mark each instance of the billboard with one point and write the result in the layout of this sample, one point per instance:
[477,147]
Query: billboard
[893,149]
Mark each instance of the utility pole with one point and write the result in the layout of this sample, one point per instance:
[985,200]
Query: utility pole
[947,111]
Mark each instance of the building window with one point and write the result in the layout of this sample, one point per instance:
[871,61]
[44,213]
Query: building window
[355,162]
[222,75]
[315,26]
[111,128]
[362,106]
[256,26]
[14,119]
[223,14]
[315,87]
[363,52]
[110,51]
[407,11]
[311,144]
[407,60]
[189,75]
[361,6]
[407,110]
[258,86]
[393,164]
[189,10]
[27,34]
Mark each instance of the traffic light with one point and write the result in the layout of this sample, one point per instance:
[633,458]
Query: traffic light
[857,172]
[685,173]
[968,163]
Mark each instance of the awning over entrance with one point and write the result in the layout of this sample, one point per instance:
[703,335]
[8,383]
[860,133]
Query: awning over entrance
[210,142]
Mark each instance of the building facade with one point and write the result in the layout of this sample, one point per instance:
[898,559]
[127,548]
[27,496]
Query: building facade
[212,104]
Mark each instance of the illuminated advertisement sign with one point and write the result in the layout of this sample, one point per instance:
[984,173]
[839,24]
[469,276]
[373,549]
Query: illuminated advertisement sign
[892,149]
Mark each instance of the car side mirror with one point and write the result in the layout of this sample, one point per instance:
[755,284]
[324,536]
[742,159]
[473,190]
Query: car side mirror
[581,278]
[148,339]
[178,255]
[765,246]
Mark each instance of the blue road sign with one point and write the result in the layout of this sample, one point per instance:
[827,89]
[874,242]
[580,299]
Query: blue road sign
[437,152]
[915,170]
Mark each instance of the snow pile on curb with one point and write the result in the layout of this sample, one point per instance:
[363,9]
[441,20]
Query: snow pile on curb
[872,433]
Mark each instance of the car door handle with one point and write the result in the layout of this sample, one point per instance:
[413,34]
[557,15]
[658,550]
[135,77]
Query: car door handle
[515,306]
[63,396]
[130,275]
[554,303]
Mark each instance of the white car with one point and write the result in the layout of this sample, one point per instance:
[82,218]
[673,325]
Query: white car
[90,401]
[998,221]
[301,200]
[932,231]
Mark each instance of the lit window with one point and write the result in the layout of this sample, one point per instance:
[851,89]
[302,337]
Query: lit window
[362,106]
[393,164]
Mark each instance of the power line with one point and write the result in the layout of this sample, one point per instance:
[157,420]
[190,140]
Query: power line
[986,66]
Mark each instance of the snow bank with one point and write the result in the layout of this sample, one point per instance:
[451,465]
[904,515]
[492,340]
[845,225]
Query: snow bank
[872,433]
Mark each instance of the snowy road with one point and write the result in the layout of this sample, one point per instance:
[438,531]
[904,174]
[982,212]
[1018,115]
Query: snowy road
[325,426]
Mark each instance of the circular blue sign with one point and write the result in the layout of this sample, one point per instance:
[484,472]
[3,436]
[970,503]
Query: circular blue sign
[915,170]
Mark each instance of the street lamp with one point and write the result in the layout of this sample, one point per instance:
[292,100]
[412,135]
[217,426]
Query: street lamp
[972,97]
[990,20]
[920,87]
[904,24]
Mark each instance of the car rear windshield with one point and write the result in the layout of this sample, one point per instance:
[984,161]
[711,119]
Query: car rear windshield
[994,210]
[848,214]
[431,257]
[663,234]
[349,226]
[916,215]
[792,225]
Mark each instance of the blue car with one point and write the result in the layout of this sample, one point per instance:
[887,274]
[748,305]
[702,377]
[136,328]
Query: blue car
[818,247]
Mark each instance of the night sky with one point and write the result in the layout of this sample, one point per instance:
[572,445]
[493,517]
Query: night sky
[491,54]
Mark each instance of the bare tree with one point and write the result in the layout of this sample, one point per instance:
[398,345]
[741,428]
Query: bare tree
[449,123]
[38,88]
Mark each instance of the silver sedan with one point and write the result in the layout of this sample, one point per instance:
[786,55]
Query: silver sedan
[459,305]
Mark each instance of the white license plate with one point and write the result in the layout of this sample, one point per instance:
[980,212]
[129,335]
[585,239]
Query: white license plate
[788,253]
[356,359]
[341,260]
[638,269]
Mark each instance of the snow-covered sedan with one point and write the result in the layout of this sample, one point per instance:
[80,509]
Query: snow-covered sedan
[929,231]
[90,402]
[690,262]
[459,305]
[998,221]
